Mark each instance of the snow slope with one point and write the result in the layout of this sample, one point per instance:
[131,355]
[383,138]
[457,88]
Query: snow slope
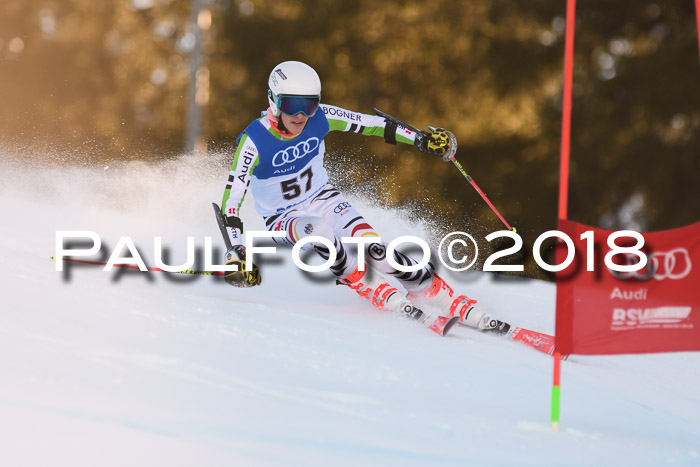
[143,369]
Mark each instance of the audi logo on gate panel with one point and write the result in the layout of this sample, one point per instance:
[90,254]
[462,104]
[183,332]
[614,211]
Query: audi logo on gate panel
[293,153]
[674,265]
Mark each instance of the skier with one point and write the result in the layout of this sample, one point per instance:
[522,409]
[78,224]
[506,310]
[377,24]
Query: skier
[280,156]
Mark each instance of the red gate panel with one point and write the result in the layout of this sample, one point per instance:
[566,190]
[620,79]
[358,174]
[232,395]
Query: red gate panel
[656,309]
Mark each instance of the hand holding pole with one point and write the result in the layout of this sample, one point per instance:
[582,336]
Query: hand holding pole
[421,133]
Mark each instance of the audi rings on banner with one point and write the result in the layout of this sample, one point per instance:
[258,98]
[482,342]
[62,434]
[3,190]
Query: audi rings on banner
[674,265]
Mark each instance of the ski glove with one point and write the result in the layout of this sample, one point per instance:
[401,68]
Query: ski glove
[438,141]
[240,278]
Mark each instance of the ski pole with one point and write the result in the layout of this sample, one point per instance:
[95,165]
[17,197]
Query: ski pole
[476,187]
[454,161]
[150,268]
[399,122]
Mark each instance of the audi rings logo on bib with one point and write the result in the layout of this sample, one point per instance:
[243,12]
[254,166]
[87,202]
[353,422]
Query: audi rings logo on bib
[674,264]
[296,152]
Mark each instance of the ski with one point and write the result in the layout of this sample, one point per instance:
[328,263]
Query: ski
[438,324]
[536,340]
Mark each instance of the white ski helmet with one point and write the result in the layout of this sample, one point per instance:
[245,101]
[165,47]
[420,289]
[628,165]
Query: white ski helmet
[294,87]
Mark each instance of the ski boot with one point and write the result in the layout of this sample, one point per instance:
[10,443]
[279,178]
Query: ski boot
[380,294]
[441,297]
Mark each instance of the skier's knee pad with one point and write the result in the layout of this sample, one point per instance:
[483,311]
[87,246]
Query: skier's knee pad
[412,281]
[316,226]
[376,252]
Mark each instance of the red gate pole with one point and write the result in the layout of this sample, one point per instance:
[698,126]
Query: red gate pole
[564,172]
[566,109]
[697,17]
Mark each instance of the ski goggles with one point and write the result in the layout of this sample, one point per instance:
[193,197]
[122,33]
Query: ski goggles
[293,105]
